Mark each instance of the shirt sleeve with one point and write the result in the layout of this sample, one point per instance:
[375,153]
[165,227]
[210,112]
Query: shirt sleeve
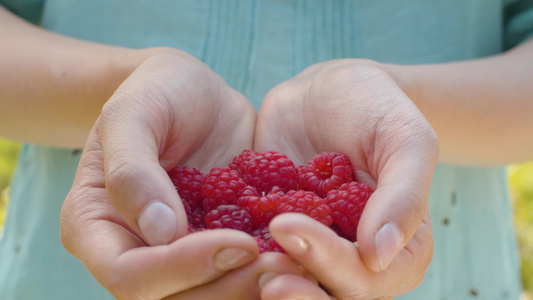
[30,10]
[518,22]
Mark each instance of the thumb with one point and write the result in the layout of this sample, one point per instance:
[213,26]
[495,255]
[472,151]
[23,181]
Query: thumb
[399,204]
[136,183]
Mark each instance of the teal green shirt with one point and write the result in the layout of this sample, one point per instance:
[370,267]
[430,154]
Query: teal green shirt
[255,45]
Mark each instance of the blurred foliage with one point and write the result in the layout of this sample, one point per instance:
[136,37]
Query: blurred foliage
[520,181]
[8,157]
[521,184]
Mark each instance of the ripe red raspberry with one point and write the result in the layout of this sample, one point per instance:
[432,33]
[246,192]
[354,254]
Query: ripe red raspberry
[262,244]
[221,186]
[262,233]
[301,171]
[239,162]
[261,208]
[229,216]
[197,218]
[265,241]
[186,207]
[188,182]
[308,203]
[273,246]
[325,172]
[277,190]
[268,169]
[339,232]
[347,204]
[190,229]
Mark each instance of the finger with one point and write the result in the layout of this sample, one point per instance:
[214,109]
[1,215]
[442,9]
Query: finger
[337,264]
[395,210]
[192,261]
[138,187]
[318,249]
[152,119]
[292,287]
[118,260]
[244,283]
[94,232]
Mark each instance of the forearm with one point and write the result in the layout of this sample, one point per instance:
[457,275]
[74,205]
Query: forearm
[482,110]
[52,87]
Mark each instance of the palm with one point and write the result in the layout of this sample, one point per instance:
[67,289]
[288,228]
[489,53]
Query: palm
[303,119]
[359,111]
[227,129]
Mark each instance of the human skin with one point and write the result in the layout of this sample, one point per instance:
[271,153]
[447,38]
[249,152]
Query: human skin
[358,110]
[481,109]
[54,93]
[481,117]
[170,108]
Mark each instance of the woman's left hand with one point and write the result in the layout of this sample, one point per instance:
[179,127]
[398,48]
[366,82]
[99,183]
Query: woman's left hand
[355,108]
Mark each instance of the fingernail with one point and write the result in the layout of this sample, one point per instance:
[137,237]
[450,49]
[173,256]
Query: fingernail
[157,223]
[292,243]
[231,258]
[266,277]
[388,241]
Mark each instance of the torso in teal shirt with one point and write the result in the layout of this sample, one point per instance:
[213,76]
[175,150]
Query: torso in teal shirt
[255,45]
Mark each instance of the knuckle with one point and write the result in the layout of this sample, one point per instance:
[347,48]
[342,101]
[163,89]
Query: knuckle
[417,205]
[121,175]
[120,172]
[362,291]
[422,256]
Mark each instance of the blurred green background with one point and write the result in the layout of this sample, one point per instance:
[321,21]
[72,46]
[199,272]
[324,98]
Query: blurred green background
[520,181]
[8,157]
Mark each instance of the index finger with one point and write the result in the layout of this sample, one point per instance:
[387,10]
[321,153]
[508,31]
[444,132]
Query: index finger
[407,154]
[337,263]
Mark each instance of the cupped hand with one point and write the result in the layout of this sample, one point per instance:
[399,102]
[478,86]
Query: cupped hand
[123,217]
[356,108]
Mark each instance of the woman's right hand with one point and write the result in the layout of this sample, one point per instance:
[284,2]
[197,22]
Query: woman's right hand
[123,217]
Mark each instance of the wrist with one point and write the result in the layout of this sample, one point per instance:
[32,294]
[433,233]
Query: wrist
[105,71]
[123,62]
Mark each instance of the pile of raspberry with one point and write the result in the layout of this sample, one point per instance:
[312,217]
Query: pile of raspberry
[257,186]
